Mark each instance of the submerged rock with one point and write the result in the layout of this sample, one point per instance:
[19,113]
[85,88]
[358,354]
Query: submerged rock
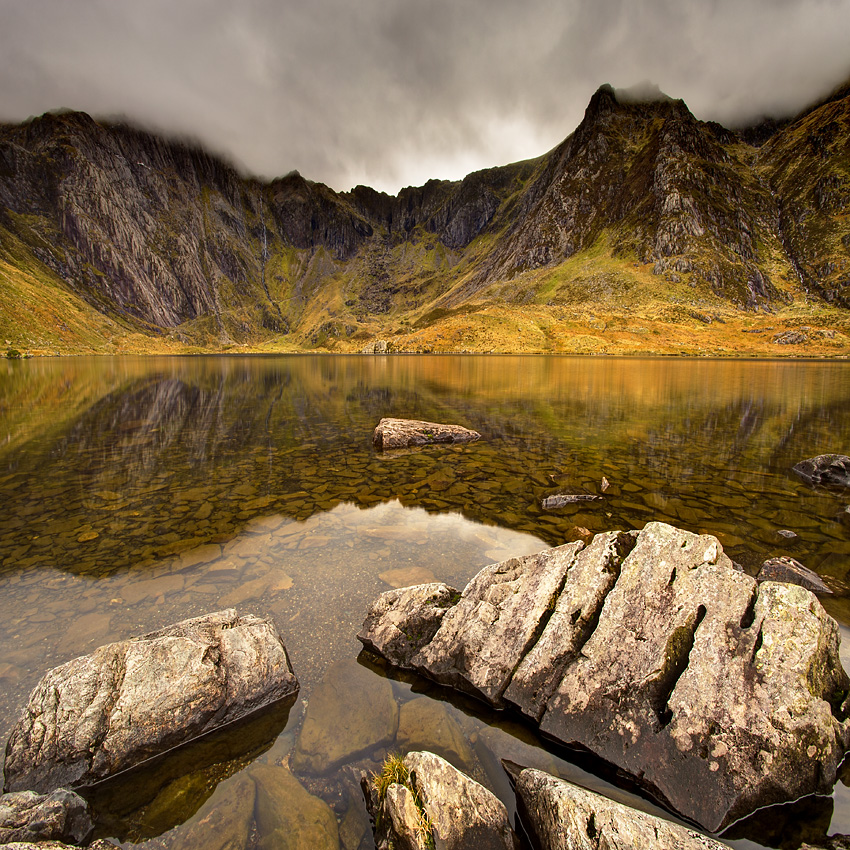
[791,571]
[563,816]
[425,724]
[652,651]
[825,469]
[402,433]
[288,816]
[352,711]
[103,713]
[59,816]
[225,820]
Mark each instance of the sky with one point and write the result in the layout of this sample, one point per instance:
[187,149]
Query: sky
[391,93]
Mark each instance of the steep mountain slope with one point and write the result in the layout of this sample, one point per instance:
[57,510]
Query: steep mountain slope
[642,210]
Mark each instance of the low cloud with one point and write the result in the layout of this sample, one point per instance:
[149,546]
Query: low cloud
[390,93]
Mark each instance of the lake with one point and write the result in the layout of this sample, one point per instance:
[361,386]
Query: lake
[141,491]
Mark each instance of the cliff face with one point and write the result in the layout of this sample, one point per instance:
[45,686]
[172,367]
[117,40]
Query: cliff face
[163,234]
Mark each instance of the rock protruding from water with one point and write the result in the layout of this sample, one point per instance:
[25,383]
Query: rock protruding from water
[831,470]
[404,433]
[103,713]
[652,651]
[439,803]
[59,816]
[791,571]
[563,816]
[550,503]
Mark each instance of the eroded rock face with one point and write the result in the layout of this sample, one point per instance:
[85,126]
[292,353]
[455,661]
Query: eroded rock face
[59,816]
[831,470]
[403,433]
[563,816]
[653,652]
[103,713]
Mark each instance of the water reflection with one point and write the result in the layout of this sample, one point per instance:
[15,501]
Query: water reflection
[139,492]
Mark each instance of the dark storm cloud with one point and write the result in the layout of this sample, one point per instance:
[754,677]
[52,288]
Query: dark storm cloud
[390,92]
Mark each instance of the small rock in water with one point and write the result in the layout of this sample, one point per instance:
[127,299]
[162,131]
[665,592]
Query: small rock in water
[825,469]
[402,433]
[791,571]
[558,501]
[605,484]
[787,534]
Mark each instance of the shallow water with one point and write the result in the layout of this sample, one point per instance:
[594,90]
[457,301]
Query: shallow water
[138,492]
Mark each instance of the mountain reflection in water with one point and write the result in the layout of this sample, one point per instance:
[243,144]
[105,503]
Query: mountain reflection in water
[141,491]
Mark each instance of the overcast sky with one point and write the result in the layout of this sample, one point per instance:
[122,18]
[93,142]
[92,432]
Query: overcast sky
[392,92]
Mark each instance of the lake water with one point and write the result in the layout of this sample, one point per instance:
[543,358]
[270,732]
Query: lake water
[141,491]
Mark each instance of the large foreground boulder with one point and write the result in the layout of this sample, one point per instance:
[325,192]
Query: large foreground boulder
[831,470]
[563,816]
[103,713]
[650,650]
[403,433]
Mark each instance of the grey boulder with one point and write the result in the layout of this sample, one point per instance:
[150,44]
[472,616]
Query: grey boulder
[103,713]
[831,470]
[563,816]
[650,650]
[403,433]
[61,815]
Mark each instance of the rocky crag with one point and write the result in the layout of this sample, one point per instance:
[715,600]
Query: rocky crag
[107,232]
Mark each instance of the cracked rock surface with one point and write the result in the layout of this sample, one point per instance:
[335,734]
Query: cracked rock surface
[650,650]
[103,713]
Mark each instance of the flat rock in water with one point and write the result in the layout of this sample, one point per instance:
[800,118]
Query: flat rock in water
[61,815]
[563,816]
[403,433]
[103,713]
[652,651]
[791,571]
[825,469]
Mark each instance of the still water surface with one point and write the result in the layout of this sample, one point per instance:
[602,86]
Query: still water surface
[141,491]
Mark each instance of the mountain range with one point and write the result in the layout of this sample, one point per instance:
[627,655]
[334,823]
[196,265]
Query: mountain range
[645,231]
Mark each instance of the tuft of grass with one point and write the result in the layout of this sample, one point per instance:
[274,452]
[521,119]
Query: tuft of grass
[394,772]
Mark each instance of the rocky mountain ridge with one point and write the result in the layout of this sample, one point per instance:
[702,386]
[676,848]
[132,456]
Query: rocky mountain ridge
[642,203]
